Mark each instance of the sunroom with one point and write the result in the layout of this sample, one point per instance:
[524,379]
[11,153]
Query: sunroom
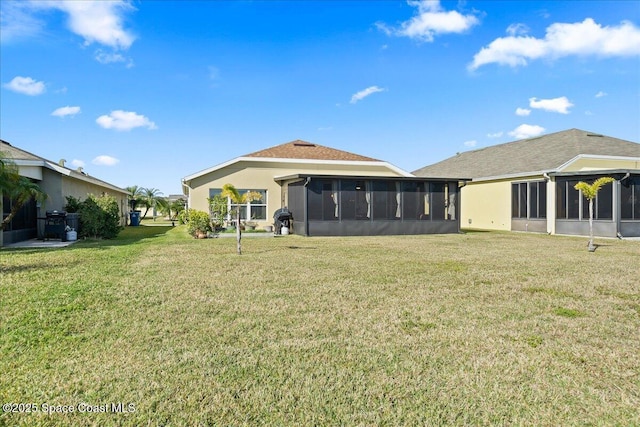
[616,209]
[324,205]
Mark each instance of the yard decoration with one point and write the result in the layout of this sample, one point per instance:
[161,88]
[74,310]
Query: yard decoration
[590,191]
[228,190]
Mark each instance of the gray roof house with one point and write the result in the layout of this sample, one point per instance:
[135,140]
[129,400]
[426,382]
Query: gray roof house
[527,185]
[58,182]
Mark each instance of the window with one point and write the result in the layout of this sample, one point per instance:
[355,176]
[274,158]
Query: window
[255,210]
[529,200]
[567,200]
[571,204]
[416,204]
[323,200]
[386,200]
[630,198]
[355,199]
[439,200]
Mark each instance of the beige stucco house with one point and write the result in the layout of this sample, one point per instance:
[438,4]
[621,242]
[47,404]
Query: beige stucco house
[58,182]
[527,185]
[329,192]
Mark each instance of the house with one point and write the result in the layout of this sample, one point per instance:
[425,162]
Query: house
[58,182]
[528,185]
[331,192]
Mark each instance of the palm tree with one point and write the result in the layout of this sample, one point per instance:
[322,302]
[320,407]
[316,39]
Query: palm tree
[18,189]
[150,198]
[228,190]
[135,194]
[590,191]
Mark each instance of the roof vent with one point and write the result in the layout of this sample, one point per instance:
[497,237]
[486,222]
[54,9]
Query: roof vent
[303,144]
[595,134]
[61,162]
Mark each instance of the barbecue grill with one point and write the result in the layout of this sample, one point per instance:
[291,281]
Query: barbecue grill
[55,224]
[282,218]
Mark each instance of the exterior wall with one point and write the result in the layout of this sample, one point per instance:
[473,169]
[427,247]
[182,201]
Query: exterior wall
[589,164]
[486,205]
[57,187]
[260,176]
[81,189]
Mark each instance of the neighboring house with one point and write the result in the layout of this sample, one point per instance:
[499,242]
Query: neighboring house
[528,185]
[58,182]
[331,192]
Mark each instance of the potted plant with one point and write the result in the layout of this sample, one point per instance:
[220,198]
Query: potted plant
[250,225]
[199,224]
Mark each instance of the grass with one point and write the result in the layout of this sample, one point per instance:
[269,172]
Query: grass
[478,329]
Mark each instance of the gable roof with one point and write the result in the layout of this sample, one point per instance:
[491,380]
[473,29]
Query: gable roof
[530,156]
[24,158]
[301,152]
[299,149]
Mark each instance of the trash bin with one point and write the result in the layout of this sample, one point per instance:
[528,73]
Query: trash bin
[135,218]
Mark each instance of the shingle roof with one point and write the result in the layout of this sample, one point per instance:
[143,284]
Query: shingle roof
[544,153]
[306,150]
[15,153]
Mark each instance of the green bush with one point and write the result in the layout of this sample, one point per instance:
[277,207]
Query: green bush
[73,204]
[99,217]
[198,222]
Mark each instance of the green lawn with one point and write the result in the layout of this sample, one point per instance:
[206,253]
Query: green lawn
[476,328]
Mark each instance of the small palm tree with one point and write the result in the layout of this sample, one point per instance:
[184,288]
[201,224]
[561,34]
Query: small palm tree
[135,195]
[590,191]
[228,190]
[16,188]
[150,198]
[20,192]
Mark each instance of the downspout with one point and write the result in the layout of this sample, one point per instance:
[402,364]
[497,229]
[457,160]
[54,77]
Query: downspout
[306,206]
[461,185]
[551,219]
[618,205]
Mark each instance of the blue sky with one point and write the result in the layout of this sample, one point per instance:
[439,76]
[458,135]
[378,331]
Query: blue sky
[145,93]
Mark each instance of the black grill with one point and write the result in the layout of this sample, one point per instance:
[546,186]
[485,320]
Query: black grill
[55,224]
[282,218]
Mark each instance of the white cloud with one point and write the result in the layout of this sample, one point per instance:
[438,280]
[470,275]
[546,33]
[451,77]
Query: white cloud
[77,163]
[96,21]
[586,38]
[526,131]
[66,111]
[556,105]
[601,94]
[364,93]
[105,160]
[471,143]
[495,134]
[25,85]
[517,30]
[588,113]
[112,57]
[522,111]
[124,120]
[16,21]
[431,20]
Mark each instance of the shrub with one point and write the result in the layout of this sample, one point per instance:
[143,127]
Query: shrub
[99,217]
[198,222]
[73,204]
